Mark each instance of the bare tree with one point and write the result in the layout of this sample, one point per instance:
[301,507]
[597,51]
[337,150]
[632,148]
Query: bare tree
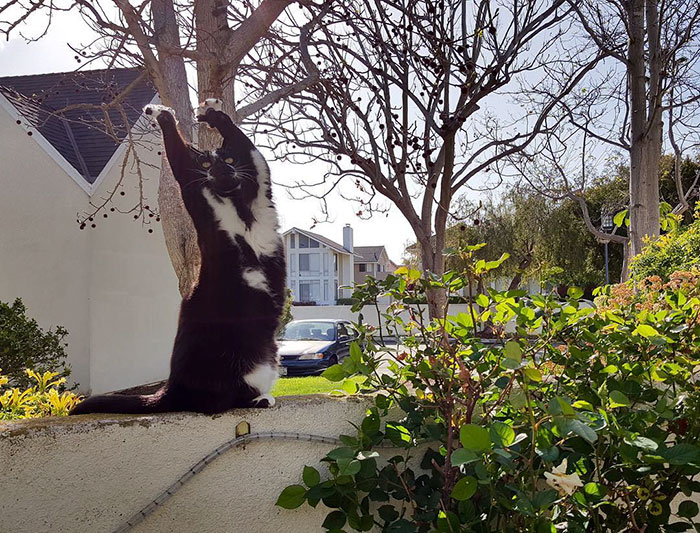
[652,70]
[404,111]
[224,41]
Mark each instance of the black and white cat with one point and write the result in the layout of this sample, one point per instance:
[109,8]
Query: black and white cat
[225,354]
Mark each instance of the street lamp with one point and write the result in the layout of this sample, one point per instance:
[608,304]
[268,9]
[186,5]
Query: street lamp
[607,224]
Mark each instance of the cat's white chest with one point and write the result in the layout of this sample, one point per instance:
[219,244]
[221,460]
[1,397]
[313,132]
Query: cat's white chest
[262,236]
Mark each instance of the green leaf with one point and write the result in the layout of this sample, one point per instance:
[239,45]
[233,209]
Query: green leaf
[513,351]
[595,491]
[291,497]
[398,434]
[682,454]
[645,330]
[620,217]
[348,467]
[582,430]
[574,293]
[474,438]
[463,456]
[533,374]
[618,399]
[311,476]
[688,509]
[583,404]
[464,489]
[334,373]
[643,443]
[343,452]
[482,300]
[501,434]
[334,520]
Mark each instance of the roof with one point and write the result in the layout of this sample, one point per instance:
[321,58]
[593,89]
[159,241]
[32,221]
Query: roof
[369,254]
[79,134]
[320,238]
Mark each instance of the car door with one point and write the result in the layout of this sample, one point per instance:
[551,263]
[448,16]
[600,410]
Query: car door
[342,334]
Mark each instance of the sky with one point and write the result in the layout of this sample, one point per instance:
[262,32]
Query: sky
[52,54]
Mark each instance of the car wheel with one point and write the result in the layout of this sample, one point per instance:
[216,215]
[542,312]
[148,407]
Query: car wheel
[332,360]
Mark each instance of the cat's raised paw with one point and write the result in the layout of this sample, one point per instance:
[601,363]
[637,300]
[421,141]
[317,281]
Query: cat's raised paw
[155,110]
[210,103]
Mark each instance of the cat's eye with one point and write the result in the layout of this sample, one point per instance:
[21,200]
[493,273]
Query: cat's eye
[228,160]
[206,164]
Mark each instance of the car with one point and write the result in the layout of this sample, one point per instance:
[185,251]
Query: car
[308,347]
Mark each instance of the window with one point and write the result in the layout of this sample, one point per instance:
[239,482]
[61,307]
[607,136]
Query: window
[309,291]
[342,331]
[363,267]
[303,241]
[335,262]
[325,290]
[379,268]
[313,243]
[309,263]
[292,241]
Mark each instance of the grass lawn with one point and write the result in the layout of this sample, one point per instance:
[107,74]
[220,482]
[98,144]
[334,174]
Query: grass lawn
[307,385]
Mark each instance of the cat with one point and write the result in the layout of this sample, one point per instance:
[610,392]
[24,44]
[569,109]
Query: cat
[225,354]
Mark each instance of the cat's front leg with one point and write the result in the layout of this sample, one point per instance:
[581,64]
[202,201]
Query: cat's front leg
[175,146]
[210,112]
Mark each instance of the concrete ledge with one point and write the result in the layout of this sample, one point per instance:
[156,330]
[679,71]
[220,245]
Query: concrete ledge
[90,473]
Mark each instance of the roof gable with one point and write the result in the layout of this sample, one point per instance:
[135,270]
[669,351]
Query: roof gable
[320,238]
[78,134]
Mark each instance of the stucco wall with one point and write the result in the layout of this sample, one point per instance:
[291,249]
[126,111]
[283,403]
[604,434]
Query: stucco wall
[86,474]
[44,257]
[134,297]
[113,286]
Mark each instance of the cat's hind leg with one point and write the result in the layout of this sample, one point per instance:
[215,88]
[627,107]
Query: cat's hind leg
[262,378]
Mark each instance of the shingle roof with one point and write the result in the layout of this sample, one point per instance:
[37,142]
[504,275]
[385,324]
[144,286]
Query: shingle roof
[79,134]
[368,254]
[331,244]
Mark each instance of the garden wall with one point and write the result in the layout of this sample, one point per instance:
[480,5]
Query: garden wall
[91,473]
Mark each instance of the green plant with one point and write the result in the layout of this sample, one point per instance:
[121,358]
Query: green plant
[23,344]
[45,397]
[677,250]
[583,419]
[286,317]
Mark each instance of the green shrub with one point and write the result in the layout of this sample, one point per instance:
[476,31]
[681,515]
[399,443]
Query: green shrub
[23,344]
[44,398]
[584,419]
[677,250]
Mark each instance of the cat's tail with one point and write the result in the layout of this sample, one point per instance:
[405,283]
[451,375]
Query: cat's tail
[159,402]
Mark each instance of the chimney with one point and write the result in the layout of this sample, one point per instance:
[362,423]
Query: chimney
[347,238]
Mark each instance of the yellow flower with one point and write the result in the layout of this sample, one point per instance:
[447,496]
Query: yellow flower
[566,484]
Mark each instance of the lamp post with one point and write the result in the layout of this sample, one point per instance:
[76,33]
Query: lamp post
[607,225]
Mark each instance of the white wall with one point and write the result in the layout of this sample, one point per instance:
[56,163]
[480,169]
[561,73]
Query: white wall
[112,287]
[134,297]
[44,257]
[86,474]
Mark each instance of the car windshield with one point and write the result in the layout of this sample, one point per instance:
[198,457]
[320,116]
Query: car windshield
[308,331]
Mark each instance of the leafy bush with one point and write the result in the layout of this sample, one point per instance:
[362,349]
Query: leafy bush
[286,316]
[23,344]
[676,250]
[45,398]
[584,419]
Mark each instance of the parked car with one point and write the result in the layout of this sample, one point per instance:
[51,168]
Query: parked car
[308,347]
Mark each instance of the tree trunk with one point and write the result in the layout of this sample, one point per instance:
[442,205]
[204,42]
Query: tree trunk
[433,261]
[214,79]
[646,126]
[178,229]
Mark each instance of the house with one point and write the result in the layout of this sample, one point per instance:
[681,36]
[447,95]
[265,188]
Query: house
[111,286]
[372,261]
[321,271]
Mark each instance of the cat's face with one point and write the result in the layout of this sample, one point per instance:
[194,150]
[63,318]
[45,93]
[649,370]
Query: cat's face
[225,177]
